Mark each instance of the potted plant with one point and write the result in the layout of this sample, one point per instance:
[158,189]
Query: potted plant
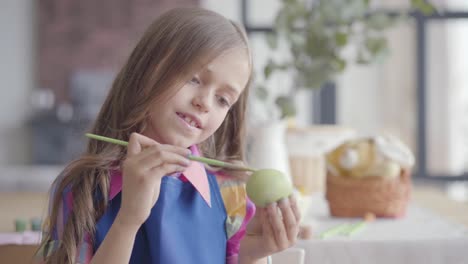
[317,33]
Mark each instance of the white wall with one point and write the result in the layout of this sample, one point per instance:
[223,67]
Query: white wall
[447,102]
[17,22]
[228,8]
[448,95]
[380,98]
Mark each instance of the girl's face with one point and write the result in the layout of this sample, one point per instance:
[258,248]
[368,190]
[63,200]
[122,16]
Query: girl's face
[197,110]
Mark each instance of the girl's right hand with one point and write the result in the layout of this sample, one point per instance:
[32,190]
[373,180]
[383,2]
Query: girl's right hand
[146,163]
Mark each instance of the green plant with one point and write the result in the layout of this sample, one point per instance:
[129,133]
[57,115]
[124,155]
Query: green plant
[317,32]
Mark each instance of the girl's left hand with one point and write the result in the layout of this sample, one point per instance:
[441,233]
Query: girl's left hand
[273,229]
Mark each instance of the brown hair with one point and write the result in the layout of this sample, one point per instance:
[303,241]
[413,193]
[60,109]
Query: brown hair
[178,43]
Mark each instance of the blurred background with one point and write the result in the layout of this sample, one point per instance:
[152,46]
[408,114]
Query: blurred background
[59,58]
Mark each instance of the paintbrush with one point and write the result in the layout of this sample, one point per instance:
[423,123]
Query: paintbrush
[212,162]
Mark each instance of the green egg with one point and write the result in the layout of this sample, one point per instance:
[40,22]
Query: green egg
[267,186]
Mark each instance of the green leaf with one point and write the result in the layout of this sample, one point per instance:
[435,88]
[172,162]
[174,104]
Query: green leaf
[377,48]
[261,92]
[338,64]
[423,6]
[296,49]
[280,21]
[269,68]
[317,78]
[287,106]
[289,2]
[341,39]
[376,44]
[361,58]
[283,67]
[379,21]
[272,40]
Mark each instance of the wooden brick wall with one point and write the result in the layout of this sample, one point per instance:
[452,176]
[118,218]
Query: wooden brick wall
[90,34]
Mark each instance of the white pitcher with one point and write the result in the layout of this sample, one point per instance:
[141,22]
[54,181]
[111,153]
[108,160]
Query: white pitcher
[266,147]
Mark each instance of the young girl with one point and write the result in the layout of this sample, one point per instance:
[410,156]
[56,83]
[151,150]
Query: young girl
[182,91]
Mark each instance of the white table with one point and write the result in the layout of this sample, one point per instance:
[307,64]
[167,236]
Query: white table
[420,237]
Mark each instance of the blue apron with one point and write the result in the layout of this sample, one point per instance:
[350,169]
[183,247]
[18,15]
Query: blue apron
[181,228]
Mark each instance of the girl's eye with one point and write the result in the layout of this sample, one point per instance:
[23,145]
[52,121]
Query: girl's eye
[195,80]
[223,101]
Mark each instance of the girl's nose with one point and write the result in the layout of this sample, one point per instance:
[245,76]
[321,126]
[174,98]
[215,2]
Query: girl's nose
[202,103]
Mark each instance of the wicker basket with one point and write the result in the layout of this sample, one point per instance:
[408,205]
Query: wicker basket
[383,197]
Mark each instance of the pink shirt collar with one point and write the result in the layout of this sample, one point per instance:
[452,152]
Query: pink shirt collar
[195,174]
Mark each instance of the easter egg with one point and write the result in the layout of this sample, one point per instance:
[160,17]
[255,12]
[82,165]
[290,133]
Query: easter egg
[267,186]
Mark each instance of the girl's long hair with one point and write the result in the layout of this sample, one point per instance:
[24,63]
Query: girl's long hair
[178,44]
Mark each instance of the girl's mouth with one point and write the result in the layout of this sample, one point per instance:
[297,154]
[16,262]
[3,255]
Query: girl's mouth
[190,120]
